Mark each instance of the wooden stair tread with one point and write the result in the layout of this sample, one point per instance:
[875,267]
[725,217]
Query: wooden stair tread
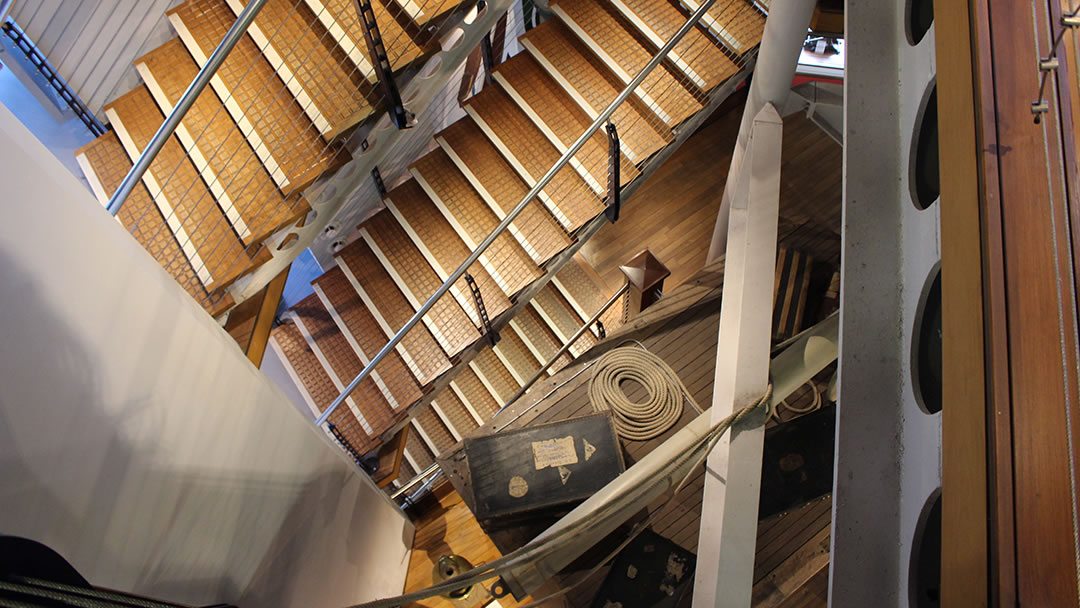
[273,122]
[458,418]
[496,374]
[318,386]
[435,429]
[168,70]
[737,23]
[561,53]
[559,113]
[586,293]
[389,303]
[417,452]
[537,227]
[562,319]
[401,47]
[541,338]
[605,34]
[473,220]
[422,12]
[516,355]
[106,164]
[332,91]
[518,137]
[695,55]
[442,247]
[478,396]
[367,397]
[136,118]
[369,338]
[447,321]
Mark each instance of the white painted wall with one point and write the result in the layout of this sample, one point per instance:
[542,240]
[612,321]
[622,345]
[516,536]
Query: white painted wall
[138,441]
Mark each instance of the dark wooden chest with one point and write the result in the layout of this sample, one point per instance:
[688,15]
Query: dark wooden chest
[541,471]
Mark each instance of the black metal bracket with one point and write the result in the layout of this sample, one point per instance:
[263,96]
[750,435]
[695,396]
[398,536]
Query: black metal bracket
[380,185]
[487,53]
[381,62]
[478,298]
[600,328]
[58,84]
[613,202]
[345,445]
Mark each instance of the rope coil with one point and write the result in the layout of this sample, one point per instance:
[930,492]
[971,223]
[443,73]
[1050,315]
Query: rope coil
[634,420]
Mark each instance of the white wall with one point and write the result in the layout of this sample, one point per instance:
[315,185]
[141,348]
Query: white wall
[138,441]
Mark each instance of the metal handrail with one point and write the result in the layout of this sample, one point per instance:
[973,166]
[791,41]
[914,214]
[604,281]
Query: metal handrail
[167,128]
[512,215]
[524,388]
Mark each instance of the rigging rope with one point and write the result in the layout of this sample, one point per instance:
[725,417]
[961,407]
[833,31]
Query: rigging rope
[638,420]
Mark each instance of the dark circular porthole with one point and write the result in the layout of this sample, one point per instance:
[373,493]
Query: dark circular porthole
[924,571]
[926,345]
[924,177]
[920,16]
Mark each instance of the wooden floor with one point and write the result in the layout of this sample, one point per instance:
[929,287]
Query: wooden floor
[674,212]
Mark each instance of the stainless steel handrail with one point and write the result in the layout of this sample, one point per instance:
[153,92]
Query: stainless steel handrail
[5,9]
[167,128]
[434,467]
[510,217]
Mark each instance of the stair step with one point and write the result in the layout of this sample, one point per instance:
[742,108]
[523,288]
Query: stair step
[557,115]
[586,293]
[541,340]
[392,310]
[501,187]
[105,164]
[209,241]
[695,55]
[315,386]
[340,18]
[524,145]
[495,377]
[433,431]
[423,12]
[505,260]
[608,37]
[562,319]
[516,356]
[416,279]
[442,247]
[362,331]
[274,124]
[469,389]
[594,87]
[417,453]
[454,415]
[737,23]
[326,84]
[339,361]
[215,144]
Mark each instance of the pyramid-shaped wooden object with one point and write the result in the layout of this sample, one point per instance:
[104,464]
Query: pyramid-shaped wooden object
[644,271]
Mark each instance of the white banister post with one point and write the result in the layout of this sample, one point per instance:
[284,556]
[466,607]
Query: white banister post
[725,561]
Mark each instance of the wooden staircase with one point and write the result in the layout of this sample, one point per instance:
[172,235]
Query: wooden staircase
[271,122]
[537,105]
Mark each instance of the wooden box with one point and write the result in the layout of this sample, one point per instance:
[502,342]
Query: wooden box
[540,471]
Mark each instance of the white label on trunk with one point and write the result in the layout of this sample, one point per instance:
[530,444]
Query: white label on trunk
[554,452]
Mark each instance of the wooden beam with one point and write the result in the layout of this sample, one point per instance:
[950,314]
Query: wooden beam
[793,573]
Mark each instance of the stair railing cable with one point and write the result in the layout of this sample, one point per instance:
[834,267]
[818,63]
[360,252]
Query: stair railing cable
[564,159]
[434,467]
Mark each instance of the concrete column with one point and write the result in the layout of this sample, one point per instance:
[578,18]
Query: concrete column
[781,44]
[725,565]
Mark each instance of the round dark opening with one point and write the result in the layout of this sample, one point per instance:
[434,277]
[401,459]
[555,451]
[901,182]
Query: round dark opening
[925,179]
[926,347]
[924,572]
[919,19]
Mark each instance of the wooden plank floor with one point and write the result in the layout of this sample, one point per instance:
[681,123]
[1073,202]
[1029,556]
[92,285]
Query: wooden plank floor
[674,216]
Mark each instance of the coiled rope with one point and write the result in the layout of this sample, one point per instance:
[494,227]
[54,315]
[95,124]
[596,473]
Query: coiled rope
[638,420]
